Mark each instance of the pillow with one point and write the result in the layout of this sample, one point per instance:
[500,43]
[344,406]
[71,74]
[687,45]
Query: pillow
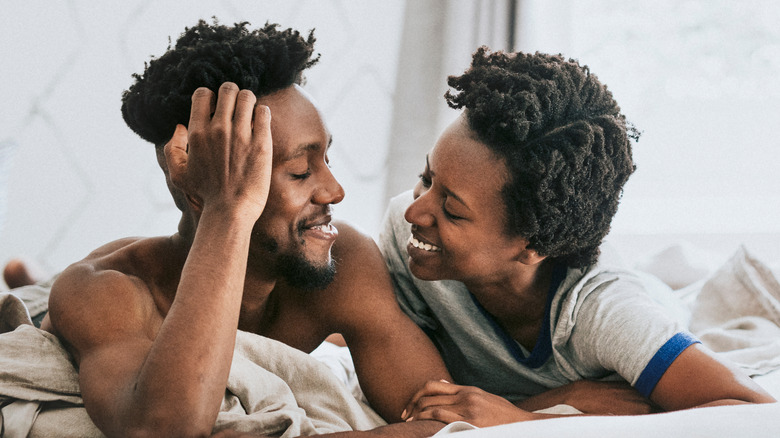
[680,264]
[737,314]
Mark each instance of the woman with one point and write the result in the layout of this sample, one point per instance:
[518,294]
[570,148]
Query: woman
[499,266]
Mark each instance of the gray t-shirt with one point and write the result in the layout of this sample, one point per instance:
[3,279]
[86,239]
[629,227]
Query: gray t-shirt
[602,323]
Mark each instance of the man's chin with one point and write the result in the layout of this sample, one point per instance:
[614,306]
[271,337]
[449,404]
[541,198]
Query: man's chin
[302,274]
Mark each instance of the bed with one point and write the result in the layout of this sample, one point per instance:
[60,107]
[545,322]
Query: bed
[730,300]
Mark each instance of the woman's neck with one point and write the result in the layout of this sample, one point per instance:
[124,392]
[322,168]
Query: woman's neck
[518,299]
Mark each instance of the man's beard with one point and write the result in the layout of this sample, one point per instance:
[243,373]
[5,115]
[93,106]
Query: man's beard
[295,269]
[301,274]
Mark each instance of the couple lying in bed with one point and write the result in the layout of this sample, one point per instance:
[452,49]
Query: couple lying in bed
[503,309]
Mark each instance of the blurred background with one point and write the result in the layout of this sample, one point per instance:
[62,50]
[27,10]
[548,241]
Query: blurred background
[699,78]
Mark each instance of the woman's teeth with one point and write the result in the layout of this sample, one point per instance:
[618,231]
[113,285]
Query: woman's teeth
[426,246]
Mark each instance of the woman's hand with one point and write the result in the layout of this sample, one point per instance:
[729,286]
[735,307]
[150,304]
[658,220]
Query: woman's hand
[447,402]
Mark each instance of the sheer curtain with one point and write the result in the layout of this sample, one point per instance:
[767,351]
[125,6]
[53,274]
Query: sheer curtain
[699,78]
[438,39]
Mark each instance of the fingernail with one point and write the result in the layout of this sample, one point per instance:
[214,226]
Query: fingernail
[403,414]
[409,419]
[442,380]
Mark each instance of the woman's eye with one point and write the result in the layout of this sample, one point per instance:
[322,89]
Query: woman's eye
[449,215]
[426,182]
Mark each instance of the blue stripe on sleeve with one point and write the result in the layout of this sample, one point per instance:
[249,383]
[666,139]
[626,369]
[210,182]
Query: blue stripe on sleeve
[661,361]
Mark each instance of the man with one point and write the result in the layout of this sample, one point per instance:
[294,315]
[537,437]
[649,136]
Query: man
[151,322]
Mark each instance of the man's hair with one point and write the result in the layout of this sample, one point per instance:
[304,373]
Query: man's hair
[206,55]
[564,141]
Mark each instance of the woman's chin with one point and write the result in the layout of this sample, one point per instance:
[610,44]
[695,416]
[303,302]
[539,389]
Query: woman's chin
[423,272]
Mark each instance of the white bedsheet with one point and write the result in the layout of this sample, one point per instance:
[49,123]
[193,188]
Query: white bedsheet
[745,421]
[735,311]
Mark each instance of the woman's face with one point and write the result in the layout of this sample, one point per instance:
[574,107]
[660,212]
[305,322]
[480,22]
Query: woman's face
[458,215]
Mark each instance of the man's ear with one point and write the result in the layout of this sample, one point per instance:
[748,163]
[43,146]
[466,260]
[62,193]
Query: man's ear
[195,204]
[181,199]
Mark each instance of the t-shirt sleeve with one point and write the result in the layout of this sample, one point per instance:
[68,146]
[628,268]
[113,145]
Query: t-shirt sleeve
[394,233]
[621,328]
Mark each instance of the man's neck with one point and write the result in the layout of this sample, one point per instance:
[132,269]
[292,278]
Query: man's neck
[259,304]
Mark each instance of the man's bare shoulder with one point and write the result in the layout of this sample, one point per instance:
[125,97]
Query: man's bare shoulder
[355,251]
[103,295]
[362,285]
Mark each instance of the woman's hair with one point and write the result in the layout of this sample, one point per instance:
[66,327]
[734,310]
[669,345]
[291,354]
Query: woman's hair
[564,141]
[206,55]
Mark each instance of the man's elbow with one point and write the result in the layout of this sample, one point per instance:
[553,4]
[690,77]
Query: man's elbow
[147,432]
[173,425]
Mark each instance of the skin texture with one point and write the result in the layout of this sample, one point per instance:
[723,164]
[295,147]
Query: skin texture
[458,209]
[151,322]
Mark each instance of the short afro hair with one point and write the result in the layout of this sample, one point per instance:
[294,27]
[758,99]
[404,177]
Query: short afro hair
[206,55]
[564,141]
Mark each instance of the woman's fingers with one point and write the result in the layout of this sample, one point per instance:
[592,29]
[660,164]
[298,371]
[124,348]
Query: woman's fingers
[431,388]
[444,414]
[433,402]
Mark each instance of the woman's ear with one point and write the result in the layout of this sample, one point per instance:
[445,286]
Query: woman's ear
[529,256]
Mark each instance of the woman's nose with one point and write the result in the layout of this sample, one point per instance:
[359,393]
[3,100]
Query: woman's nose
[419,211]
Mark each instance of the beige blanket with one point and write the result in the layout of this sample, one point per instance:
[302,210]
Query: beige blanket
[272,389]
[737,314]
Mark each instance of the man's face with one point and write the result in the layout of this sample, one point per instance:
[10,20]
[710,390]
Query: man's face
[295,229]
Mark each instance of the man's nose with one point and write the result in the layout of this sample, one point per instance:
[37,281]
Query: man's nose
[330,192]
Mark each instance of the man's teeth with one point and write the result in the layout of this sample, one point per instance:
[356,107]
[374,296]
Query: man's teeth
[426,246]
[322,227]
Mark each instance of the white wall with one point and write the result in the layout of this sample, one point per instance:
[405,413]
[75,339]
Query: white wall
[701,79]
[78,177]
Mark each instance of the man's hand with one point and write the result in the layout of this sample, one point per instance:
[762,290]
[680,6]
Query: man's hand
[151,369]
[223,160]
[446,402]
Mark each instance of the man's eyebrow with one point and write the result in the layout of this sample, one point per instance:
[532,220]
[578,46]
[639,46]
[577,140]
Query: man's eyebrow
[445,189]
[305,148]
[301,150]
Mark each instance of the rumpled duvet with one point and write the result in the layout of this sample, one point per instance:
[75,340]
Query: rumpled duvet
[273,389]
[737,314]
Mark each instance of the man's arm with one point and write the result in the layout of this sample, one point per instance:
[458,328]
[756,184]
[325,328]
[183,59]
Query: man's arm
[393,357]
[141,374]
[415,429]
